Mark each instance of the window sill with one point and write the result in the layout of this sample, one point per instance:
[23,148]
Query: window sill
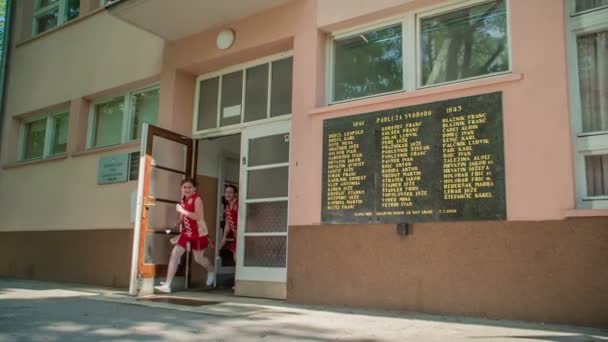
[586,212]
[99,150]
[363,103]
[60,27]
[34,162]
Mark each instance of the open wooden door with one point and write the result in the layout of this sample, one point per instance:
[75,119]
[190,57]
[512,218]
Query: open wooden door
[165,159]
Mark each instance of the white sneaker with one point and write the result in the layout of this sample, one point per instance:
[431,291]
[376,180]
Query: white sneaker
[210,278]
[163,288]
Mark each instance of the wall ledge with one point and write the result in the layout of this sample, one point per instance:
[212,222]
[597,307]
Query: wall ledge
[570,213]
[33,162]
[363,104]
[110,148]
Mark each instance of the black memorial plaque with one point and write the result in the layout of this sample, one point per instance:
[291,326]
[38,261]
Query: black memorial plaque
[441,161]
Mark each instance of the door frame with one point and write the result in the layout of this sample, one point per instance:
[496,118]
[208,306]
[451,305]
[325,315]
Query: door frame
[221,181]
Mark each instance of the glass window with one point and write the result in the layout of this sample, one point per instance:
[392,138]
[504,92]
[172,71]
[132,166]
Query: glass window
[72,9]
[145,109]
[44,3]
[232,97]
[120,120]
[589,54]
[51,13]
[59,138]
[34,136]
[368,63]
[282,74]
[107,127]
[593,80]
[256,93]
[464,43]
[596,167]
[586,5]
[47,21]
[207,103]
[244,95]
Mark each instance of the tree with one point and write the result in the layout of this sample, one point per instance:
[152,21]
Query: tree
[2,26]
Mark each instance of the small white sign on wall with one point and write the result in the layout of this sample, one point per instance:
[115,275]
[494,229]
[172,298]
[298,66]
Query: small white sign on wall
[231,111]
[133,206]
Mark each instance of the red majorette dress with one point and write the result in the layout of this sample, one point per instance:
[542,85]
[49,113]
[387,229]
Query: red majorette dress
[231,212]
[190,227]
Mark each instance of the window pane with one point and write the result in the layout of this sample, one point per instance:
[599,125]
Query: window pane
[585,5]
[145,110]
[464,43]
[232,96]
[44,3]
[267,183]
[368,63]
[271,149]
[207,103]
[72,9]
[280,102]
[60,134]
[265,251]
[256,93]
[266,217]
[34,139]
[47,21]
[597,175]
[108,123]
[593,80]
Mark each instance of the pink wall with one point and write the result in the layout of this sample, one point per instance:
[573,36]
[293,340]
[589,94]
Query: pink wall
[538,152]
[184,60]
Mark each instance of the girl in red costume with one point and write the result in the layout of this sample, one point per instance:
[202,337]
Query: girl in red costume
[231,213]
[194,230]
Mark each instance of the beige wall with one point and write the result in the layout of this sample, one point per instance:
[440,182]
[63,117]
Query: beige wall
[90,56]
[93,57]
[63,195]
[24,9]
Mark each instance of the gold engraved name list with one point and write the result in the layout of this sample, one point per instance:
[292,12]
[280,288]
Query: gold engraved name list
[466,174]
[400,148]
[344,159]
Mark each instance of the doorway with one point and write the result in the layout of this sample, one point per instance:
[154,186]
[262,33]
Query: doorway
[217,166]
[256,159]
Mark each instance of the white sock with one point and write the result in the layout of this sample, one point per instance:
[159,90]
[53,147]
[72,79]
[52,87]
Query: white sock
[210,277]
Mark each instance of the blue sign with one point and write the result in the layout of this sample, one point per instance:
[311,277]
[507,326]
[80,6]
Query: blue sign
[113,169]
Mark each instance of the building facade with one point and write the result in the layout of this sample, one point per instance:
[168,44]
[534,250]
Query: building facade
[255,87]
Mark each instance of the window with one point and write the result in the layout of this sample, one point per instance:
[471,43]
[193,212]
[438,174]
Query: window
[119,120]
[44,137]
[588,53]
[51,13]
[596,167]
[589,5]
[465,43]
[257,91]
[368,63]
[145,110]
[592,51]
[450,44]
